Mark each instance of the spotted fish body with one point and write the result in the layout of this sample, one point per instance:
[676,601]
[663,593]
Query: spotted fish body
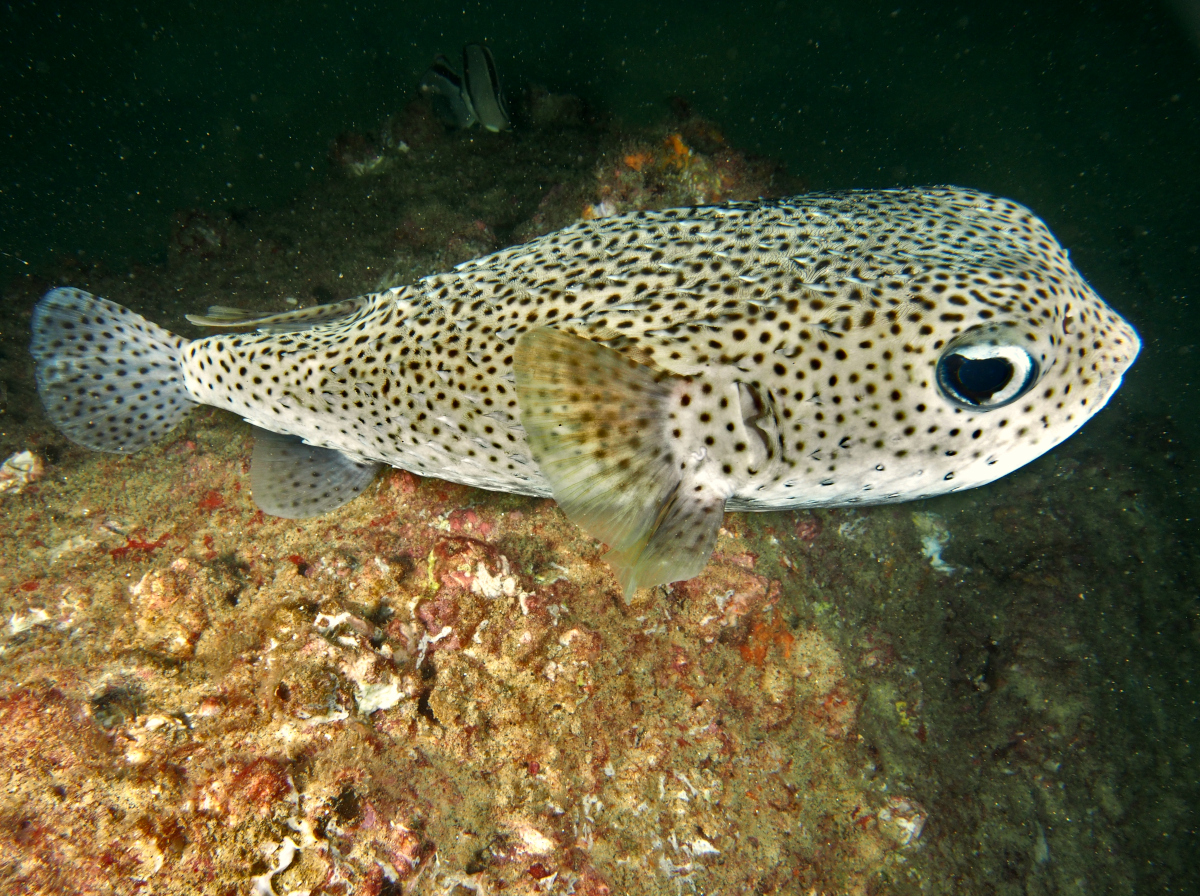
[648,371]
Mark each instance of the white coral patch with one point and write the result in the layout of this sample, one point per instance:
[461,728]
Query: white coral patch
[503,584]
[535,842]
[20,470]
[373,697]
[18,624]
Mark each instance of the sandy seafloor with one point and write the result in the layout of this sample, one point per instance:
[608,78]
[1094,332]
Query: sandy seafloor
[438,689]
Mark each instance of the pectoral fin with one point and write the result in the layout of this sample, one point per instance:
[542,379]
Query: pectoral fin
[599,427]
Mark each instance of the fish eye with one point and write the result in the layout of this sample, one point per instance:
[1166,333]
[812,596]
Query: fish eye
[983,376]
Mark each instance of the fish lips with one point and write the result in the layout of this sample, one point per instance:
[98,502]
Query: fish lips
[483,88]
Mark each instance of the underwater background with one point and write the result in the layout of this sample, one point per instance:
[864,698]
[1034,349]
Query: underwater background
[186,689]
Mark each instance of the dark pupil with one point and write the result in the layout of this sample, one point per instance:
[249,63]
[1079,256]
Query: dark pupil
[977,380]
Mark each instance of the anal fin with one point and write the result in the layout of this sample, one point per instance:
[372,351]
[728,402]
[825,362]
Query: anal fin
[597,423]
[293,480]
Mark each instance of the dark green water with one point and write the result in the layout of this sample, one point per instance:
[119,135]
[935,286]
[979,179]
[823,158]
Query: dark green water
[114,118]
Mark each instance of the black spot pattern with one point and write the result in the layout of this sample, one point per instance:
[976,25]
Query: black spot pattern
[810,328]
[808,331]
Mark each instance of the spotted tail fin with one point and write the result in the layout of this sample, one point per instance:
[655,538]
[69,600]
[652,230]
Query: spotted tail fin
[109,379]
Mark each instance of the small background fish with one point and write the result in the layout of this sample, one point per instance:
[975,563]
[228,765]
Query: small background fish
[476,96]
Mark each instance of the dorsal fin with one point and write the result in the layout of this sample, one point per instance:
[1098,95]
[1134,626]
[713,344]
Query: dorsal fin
[281,322]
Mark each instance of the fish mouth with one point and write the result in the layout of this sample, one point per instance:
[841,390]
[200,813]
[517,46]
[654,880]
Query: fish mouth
[1129,347]
[476,97]
[1111,382]
[1135,342]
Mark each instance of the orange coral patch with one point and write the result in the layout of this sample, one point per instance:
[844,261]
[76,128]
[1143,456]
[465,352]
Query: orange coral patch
[764,633]
[638,160]
[679,150]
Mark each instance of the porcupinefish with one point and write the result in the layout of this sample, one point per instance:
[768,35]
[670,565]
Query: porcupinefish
[648,371]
